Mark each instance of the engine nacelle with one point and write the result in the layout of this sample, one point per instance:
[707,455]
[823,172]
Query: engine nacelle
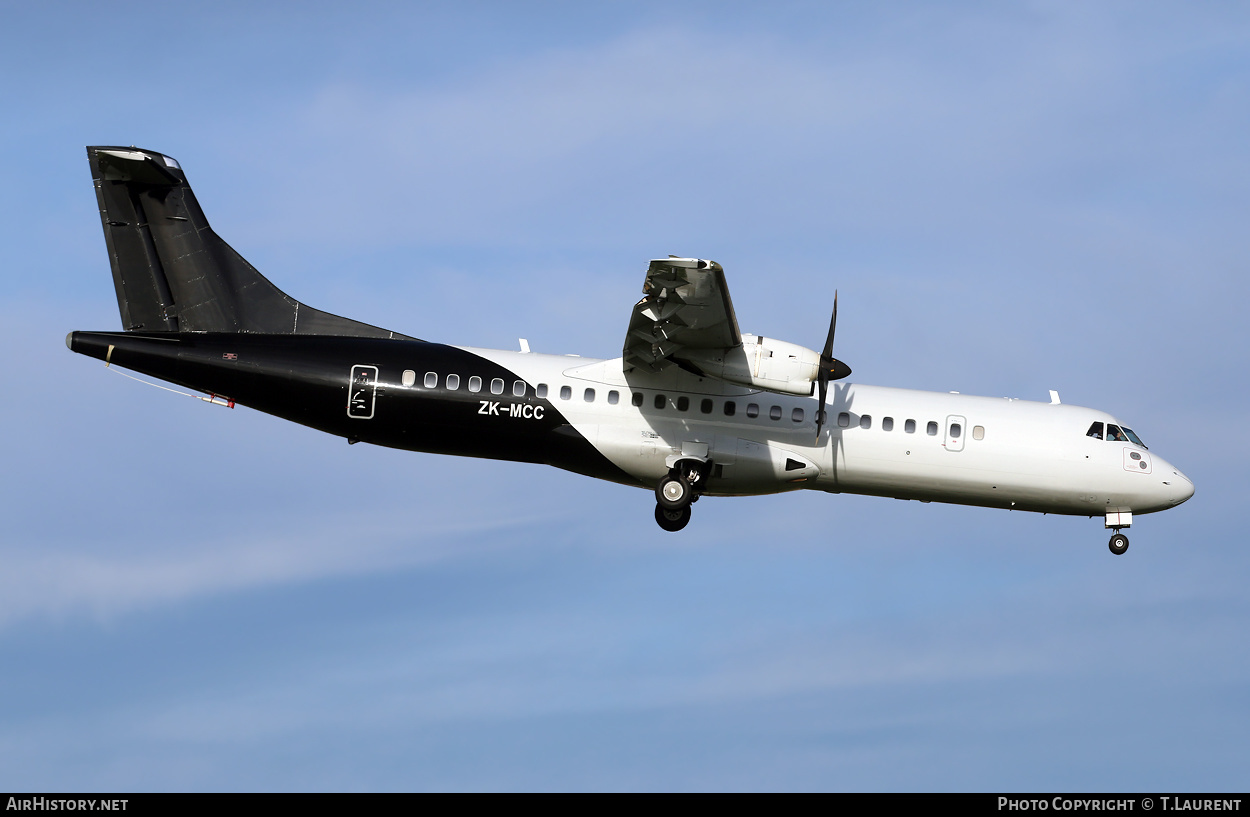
[760,363]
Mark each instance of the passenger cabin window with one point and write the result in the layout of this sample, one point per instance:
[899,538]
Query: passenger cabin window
[636,399]
[660,401]
[865,421]
[614,397]
[956,430]
[731,408]
[978,432]
[475,384]
[589,395]
[774,413]
[753,410]
[844,419]
[518,388]
[910,426]
[931,429]
[683,403]
[705,406]
[409,378]
[797,415]
[1095,431]
[431,380]
[496,386]
[541,391]
[453,382]
[887,423]
[566,393]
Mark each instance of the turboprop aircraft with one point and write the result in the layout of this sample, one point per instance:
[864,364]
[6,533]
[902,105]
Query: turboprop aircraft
[693,407]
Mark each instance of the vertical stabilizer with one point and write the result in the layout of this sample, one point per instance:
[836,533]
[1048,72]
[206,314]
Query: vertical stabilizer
[173,273]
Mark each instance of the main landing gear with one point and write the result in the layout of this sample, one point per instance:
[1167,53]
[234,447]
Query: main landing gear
[672,521]
[675,494]
[1118,543]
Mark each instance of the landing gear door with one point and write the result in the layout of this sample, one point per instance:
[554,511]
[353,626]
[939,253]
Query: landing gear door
[956,428]
[362,392]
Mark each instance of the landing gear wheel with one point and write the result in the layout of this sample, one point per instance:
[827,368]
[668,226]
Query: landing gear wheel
[672,521]
[673,493]
[1118,544]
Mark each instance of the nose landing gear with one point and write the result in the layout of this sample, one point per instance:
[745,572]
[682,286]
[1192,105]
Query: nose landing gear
[1117,521]
[675,494]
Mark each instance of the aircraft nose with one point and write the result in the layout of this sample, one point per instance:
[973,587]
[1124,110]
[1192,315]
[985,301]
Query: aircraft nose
[1182,487]
[1176,487]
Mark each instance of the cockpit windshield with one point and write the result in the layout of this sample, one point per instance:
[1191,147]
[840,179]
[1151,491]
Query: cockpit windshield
[1115,434]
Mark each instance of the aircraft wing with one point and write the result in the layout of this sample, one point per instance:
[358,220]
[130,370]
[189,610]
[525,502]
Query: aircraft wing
[685,306]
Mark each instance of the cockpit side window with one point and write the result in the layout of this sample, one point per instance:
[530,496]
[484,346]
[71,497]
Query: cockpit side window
[1114,434]
[1133,437]
[1095,431]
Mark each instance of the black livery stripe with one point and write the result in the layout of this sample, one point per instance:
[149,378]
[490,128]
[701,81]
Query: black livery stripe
[308,379]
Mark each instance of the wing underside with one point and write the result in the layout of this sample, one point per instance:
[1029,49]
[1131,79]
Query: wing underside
[685,306]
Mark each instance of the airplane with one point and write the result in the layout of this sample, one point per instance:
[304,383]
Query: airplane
[693,406]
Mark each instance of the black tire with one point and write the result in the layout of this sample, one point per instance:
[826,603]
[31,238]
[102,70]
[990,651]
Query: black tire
[673,493]
[1118,544]
[672,520]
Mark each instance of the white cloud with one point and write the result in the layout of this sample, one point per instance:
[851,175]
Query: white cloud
[675,118]
[57,581]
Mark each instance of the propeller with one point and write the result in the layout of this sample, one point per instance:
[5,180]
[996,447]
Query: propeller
[830,368]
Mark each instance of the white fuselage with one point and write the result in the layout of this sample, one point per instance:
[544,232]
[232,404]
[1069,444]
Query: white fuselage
[889,442]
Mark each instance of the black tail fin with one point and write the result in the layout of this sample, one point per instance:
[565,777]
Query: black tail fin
[173,273]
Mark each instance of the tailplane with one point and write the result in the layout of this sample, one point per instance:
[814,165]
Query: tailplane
[173,273]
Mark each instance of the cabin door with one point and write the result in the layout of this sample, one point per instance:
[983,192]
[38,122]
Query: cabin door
[362,393]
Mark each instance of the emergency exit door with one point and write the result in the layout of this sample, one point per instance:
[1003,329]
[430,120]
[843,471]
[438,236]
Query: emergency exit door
[956,428]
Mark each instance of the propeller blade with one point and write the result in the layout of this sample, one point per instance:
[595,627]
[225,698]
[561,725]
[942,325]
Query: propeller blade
[830,368]
[833,325]
[820,412]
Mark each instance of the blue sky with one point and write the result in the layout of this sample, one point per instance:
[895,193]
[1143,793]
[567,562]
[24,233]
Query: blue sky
[1009,199]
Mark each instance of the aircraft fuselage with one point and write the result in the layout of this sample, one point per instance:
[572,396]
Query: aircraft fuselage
[593,417]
